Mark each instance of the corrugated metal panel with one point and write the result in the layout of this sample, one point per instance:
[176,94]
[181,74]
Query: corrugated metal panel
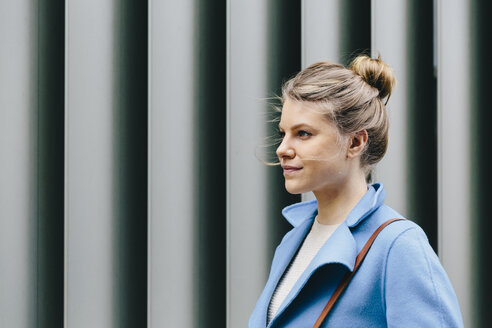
[18,172]
[246,176]
[135,135]
[390,26]
[89,166]
[187,164]
[105,164]
[453,69]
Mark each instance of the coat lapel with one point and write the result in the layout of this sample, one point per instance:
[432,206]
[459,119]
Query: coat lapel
[340,248]
[286,251]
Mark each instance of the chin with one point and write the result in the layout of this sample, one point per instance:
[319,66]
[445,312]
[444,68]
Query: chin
[295,190]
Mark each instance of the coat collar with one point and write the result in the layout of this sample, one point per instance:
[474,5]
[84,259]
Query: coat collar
[341,247]
[372,199]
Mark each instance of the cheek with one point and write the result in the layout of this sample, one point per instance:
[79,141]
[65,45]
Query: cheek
[327,152]
[327,159]
[332,165]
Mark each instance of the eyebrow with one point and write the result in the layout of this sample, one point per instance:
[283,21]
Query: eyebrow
[297,126]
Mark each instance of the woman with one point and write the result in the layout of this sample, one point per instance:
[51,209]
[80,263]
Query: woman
[334,128]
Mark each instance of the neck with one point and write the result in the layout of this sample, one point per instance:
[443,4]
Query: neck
[335,204]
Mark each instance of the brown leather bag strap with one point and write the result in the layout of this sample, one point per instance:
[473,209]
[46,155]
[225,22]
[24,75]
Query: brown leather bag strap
[348,276]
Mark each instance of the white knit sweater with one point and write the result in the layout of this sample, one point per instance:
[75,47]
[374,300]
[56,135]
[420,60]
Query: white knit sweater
[315,239]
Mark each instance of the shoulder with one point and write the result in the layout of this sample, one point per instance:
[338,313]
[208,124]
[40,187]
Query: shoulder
[403,240]
[407,244]
[394,230]
[413,278]
[402,244]
[408,231]
[401,234]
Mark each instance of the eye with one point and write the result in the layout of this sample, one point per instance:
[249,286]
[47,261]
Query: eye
[281,134]
[303,134]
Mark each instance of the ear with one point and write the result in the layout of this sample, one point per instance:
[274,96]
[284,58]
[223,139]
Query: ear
[357,144]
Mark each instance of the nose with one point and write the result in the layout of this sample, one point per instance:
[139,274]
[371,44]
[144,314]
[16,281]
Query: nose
[285,150]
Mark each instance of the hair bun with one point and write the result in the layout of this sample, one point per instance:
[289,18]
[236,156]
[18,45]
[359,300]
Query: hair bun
[376,73]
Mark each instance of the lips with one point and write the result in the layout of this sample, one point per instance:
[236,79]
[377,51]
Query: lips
[290,169]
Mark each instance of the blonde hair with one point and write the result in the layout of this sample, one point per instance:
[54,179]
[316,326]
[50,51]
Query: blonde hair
[352,98]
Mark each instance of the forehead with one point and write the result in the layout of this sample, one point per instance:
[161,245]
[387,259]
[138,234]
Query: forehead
[297,112]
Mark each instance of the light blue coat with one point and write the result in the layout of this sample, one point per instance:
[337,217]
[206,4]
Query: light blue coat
[401,283]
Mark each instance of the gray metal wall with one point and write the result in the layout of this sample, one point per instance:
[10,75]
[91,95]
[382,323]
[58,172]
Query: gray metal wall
[132,134]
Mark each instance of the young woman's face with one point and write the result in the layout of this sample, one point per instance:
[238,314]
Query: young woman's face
[312,155]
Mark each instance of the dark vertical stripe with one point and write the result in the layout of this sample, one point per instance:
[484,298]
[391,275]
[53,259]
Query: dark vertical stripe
[50,84]
[481,71]
[210,166]
[130,163]
[284,61]
[355,29]
[422,119]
